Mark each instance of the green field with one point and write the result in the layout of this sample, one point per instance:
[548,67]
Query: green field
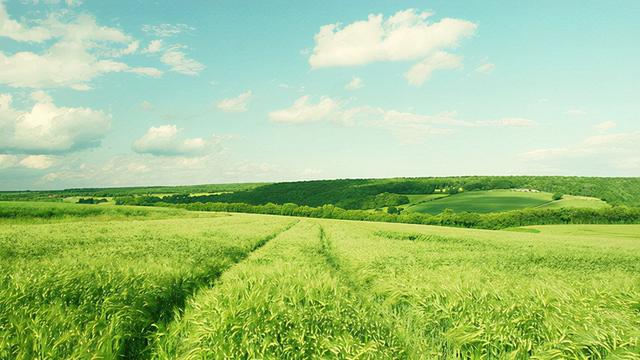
[498,200]
[172,284]
[483,202]
[570,201]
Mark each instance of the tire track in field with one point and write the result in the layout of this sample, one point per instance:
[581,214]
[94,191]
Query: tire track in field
[176,305]
[344,275]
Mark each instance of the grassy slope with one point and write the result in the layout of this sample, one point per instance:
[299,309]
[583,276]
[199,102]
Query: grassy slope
[483,202]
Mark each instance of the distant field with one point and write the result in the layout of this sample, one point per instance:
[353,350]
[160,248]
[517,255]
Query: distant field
[193,285]
[498,200]
[569,201]
[483,202]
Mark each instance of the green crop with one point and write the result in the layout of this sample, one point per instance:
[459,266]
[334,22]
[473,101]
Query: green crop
[100,289]
[189,285]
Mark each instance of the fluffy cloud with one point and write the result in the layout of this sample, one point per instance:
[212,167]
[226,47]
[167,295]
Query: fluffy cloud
[506,122]
[47,128]
[618,147]
[180,62]
[7,161]
[38,162]
[304,110]
[139,169]
[18,32]
[236,104]
[165,141]
[407,126]
[355,84]
[82,50]
[421,72]
[407,35]
[153,47]
[486,68]
[166,30]
[404,36]
[413,128]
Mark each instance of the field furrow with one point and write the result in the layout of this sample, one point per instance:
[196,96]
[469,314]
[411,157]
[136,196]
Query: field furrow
[284,301]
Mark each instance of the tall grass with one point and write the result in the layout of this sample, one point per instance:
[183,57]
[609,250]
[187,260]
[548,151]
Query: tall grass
[69,290]
[282,303]
[31,212]
[269,287]
[330,289]
[478,294]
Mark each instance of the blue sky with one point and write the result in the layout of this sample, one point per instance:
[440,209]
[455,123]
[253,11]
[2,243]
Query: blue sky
[116,93]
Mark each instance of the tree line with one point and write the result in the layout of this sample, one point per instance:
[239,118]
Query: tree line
[494,221]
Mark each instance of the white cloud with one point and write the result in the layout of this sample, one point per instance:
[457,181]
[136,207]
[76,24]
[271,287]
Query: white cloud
[148,71]
[165,141]
[142,169]
[610,149]
[82,50]
[408,127]
[8,161]
[421,72]
[236,104]
[412,128]
[180,63]
[18,32]
[355,84]
[486,68]
[47,128]
[405,36]
[303,111]
[166,30]
[506,122]
[604,126]
[38,162]
[153,47]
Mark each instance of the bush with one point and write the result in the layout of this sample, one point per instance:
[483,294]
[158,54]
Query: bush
[557,196]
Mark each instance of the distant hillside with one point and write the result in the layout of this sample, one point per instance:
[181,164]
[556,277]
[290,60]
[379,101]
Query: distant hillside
[125,191]
[374,193]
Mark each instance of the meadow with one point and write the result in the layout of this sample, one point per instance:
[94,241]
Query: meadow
[193,285]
